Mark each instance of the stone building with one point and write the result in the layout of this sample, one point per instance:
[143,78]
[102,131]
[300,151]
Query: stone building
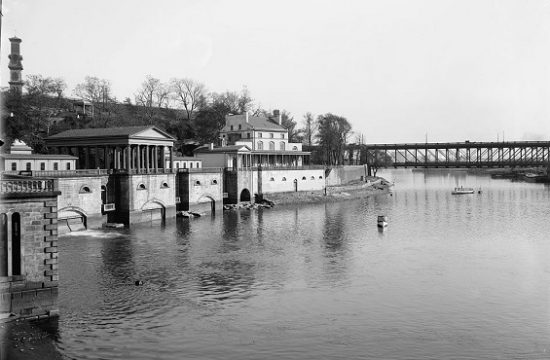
[20,158]
[28,247]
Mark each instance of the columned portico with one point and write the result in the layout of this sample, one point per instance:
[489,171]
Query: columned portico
[140,149]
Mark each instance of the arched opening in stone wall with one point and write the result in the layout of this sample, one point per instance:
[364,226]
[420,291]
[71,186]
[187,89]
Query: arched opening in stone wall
[71,219]
[3,244]
[153,211]
[245,195]
[16,244]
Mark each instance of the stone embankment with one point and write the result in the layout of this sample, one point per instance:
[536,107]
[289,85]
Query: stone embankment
[352,190]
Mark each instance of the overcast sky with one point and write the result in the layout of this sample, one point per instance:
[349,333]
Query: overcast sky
[398,70]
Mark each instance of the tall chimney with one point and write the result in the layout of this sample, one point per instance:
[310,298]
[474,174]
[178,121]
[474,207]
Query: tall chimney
[277,114]
[15,66]
[246,117]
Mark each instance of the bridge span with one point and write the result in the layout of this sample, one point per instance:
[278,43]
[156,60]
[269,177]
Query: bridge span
[459,154]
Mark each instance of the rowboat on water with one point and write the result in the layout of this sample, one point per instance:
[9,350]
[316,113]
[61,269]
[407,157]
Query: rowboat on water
[462,191]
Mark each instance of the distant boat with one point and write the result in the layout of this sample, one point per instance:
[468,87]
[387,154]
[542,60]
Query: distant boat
[462,191]
[382,221]
[531,177]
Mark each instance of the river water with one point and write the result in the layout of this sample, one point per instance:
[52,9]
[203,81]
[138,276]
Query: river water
[452,277]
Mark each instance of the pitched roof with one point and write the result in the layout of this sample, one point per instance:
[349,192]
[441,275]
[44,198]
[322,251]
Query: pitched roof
[106,132]
[257,123]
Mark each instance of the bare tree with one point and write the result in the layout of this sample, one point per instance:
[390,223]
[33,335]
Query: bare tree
[309,128]
[94,90]
[152,96]
[333,133]
[189,94]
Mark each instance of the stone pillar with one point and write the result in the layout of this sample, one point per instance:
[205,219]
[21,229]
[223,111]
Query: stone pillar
[138,149]
[147,163]
[162,157]
[129,157]
[155,158]
[171,149]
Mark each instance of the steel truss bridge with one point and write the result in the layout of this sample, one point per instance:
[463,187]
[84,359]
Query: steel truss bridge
[463,154]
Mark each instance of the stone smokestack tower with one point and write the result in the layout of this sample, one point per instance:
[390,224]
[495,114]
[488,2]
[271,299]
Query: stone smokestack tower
[16,82]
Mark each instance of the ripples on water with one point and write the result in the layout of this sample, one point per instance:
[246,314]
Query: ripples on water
[452,277]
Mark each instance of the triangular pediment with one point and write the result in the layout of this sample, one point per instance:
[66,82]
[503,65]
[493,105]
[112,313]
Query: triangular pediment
[152,133]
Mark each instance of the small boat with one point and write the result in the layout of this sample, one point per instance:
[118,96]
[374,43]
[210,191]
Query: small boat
[462,191]
[382,221]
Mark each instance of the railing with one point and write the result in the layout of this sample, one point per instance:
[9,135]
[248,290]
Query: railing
[26,186]
[198,170]
[68,173]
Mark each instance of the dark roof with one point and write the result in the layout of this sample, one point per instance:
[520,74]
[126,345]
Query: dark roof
[39,156]
[105,132]
[256,123]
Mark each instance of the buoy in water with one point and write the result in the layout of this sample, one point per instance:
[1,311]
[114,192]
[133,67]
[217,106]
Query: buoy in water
[382,221]
[139,282]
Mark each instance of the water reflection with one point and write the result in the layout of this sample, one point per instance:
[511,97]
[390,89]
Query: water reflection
[449,278]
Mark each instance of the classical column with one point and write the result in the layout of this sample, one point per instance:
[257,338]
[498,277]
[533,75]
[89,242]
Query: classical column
[138,150]
[128,157]
[155,158]
[162,157]
[96,162]
[171,149]
[147,163]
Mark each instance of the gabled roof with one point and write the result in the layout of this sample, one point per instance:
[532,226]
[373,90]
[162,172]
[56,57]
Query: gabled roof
[127,131]
[256,123]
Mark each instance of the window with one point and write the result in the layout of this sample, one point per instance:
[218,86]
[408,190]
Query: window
[304,178]
[295,148]
[55,166]
[42,166]
[164,185]
[272,179]
[141,187]
[177,165]
[283,136]
[240,127]
[231,127]
[197,165]
[13,166]
[284,179]
[313,178]
[214,182]
[197,183]
[85,190]
[28,166]
[260,145]
[271,145]
[259,134]
[185,165]
[282,145]
[191,165]
[68,166]
[271,135]
[248,135]
[320,177]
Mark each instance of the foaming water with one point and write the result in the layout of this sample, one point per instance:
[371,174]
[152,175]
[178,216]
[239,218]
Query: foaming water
[452,277]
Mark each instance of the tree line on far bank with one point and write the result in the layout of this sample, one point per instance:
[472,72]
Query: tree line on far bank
[183,107]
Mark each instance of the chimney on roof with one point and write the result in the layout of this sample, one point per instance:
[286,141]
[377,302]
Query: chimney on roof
[277,114]
[246,117]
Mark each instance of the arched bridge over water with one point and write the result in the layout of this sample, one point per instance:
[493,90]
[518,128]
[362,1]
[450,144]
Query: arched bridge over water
[459,154]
